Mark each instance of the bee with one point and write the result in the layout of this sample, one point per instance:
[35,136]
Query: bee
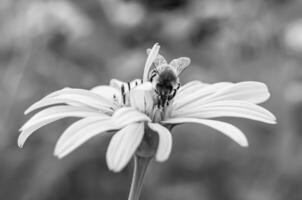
[165,77]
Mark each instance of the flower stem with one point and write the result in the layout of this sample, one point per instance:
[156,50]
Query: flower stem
[140,167]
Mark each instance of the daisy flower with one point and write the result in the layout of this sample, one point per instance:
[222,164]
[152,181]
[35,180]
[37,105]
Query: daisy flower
[142,113]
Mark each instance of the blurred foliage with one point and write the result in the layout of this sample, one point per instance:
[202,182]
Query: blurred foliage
[47,45]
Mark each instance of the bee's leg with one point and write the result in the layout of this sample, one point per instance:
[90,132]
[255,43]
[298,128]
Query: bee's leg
[159,103]
[172,95]
[156,91]
[174,92]
[158,100]
[162,101]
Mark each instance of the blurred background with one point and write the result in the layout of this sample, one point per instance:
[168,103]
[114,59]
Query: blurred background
[48,45]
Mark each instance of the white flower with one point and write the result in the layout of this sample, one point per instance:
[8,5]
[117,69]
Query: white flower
[142,127]
[141,120]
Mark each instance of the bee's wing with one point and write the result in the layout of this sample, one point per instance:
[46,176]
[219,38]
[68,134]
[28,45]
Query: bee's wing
[159,60]
[179,64]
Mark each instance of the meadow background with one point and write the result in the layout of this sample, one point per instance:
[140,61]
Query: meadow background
[48,45]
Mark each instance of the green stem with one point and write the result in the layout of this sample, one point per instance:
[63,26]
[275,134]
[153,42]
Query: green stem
[140,167]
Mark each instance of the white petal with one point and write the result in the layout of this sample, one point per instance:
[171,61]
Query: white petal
[76,127]
[240,109]
[50,102]
[165,141]
[50,115]
[127,115]
[197,96]
[81,135]
[141,97]
[68,100]
[27,132]
[112,148]
[251,91]
[225,128]
[190,87]
[146,86]
[123,145]
[84,96]
[59,112]
[110,93]
[117,84]
[151,57]
[55,93]
[135,83]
